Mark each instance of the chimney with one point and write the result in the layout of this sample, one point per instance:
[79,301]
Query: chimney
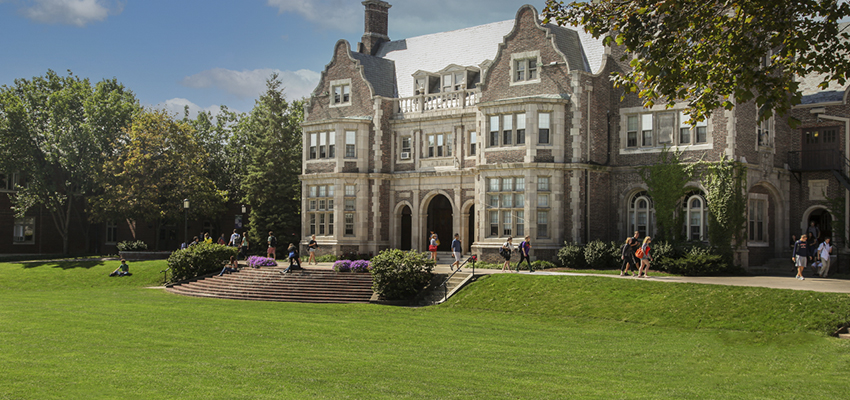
[375,31]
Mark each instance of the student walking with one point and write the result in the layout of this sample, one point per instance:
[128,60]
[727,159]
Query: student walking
[456,252]
[294,259]
[432,245]
[801,256]
[505,251]
[244,247]
[272,241]
[628,256]
[234,239]
[524,249]
[645,258]
[823,253]
[311,248]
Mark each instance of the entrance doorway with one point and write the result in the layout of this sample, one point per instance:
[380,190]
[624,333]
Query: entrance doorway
[440,221]
[406,227]
[471,230]
[823,221]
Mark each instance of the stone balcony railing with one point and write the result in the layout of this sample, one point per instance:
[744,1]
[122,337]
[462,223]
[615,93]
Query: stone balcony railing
[426,103]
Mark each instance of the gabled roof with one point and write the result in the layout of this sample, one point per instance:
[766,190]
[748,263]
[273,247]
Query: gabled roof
[475,45]
[379,72]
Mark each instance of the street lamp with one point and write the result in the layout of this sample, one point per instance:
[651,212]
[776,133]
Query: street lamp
[186,222]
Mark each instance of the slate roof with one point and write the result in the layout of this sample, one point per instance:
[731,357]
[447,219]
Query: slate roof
[379,72]
[472,46]
[809,84]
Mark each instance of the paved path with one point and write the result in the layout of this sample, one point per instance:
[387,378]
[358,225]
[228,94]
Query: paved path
[775,282]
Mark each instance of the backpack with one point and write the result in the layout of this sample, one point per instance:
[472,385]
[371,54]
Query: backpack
[502,251]
[273,242]
[639,253]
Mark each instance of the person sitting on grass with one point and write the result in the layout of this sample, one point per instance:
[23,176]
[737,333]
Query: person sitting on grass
[122,270]
[231,266]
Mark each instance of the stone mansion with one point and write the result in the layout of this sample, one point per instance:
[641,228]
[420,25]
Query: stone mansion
[513,128]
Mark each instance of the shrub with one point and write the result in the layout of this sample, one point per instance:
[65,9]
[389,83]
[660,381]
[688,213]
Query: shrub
[572,256]
[702,264]
[542,264]
[326,258]
[597,255]
[353,256]
[198,260]
[342,266]
[663,254]
[360,266]
[136,245]
[398,275]
[259,261]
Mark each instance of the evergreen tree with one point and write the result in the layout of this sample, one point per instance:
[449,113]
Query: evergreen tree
[272,134]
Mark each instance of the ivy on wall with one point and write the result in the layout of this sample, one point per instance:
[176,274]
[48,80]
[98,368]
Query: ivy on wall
[724,183]
[666,183]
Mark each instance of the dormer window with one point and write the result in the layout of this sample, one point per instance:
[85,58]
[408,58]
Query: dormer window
[340,93]
[421,85]
[525,67]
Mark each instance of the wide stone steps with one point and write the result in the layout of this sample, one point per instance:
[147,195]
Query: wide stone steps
[268,284]
[437,294]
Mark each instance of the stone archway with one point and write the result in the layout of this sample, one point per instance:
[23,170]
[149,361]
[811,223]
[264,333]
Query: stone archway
[406,231]
[440,218]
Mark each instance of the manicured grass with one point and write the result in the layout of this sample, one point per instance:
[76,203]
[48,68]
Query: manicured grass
[68,331]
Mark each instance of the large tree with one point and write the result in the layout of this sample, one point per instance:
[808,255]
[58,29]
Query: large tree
[158,162]
[57,131]
[716,53]
[271,135]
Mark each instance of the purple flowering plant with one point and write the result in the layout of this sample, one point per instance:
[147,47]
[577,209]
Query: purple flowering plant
[257,261]
[342,266]
[360,266]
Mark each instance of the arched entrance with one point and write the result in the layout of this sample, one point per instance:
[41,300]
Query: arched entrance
[406,229]
[440,221]
[823,220]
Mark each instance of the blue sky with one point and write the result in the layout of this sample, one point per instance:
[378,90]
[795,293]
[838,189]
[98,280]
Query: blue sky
[212,52]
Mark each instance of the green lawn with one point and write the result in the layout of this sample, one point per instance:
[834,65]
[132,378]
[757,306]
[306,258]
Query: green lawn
[68,331]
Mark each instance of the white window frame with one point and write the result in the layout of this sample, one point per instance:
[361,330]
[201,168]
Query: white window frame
[23,228]
[524,61]
[634,211]
[343,88]
[544,123]
[111,231]
[643,131]
[313,151]
[701,212]
[494,134]
[350,144]
[9,181]
[506,206]
[473,144]
[320,209]
[765,132]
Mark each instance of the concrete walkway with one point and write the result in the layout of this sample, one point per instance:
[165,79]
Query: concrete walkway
[775,282]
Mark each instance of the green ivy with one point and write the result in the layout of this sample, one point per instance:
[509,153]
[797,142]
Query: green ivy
[666,183]
[836,208]
[727,205]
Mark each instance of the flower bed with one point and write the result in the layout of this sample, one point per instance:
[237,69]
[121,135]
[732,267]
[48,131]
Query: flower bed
[257,261]
[342,266]
[360,266]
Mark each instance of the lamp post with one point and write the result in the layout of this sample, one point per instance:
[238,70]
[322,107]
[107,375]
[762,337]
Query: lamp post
[186,222]
[244,217]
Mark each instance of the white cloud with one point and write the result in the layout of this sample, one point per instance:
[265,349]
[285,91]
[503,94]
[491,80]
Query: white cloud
[331,14]
[251,83]
[70,12]
[176,107]
[407,18]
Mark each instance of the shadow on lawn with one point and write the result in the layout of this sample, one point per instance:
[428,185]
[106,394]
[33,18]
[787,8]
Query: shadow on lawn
[65,264]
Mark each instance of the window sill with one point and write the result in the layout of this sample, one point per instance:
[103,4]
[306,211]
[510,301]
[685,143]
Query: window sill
[508,147]
[758,244]
[340,105]
[23,243]
[651,150]
[526,82]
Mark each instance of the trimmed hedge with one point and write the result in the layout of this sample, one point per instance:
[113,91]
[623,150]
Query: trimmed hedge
[127,245]
[200,259]
[400,275]
[702,265]
[572,256]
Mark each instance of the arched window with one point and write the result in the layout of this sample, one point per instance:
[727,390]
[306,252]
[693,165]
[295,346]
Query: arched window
[696,221]
[641,214]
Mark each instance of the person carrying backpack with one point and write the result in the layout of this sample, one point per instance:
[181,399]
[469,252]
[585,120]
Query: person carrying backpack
[801,256]
[270,253]
[628,256]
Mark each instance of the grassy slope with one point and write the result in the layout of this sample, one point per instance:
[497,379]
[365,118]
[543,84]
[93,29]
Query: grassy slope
[75,333]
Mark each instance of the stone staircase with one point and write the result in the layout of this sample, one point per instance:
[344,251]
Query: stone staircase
[268,284]
[436,294]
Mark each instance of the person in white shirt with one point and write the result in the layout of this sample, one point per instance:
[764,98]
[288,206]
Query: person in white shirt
[823,252]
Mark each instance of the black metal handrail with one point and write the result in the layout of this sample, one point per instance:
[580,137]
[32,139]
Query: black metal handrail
[445,283]
[165,275]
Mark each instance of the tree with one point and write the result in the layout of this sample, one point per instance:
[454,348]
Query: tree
[157,164]
[272,136]
[714,53]
[57,131]
[215,134]
[666,183]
